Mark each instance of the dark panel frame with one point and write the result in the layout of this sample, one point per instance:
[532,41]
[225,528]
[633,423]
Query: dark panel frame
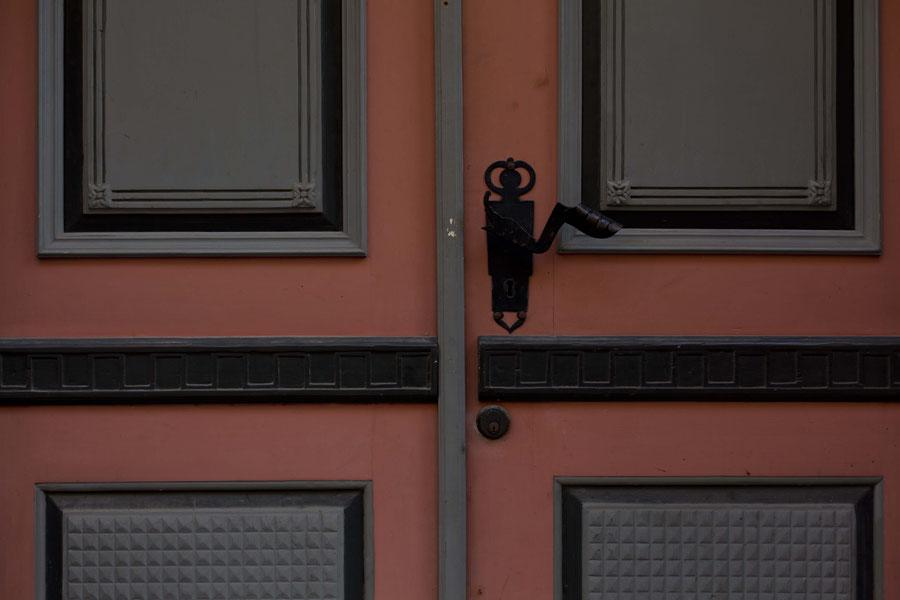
[688,368]
[172,370]
[570,493]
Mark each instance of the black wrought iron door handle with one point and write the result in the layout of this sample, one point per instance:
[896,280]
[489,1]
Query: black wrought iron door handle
[509,223]
[583,218]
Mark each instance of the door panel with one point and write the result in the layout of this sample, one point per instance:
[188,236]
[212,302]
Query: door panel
[513,62]
[655,440]
[390,446]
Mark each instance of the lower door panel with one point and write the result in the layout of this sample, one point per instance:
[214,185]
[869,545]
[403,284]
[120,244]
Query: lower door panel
[760,538]
[204,541]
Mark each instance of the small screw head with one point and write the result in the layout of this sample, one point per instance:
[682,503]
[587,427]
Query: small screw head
[522,314]
[498,316]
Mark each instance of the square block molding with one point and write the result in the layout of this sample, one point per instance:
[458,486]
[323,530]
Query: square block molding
[304,196]
[150,370]
[864,238]
[726,368]
[860,497]
[89,502]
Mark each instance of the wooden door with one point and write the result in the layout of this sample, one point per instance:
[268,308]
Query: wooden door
[610,431]
[124,333]
[120,391]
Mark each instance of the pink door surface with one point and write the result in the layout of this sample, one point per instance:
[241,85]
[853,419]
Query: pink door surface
[511,103]
[389,293]
[510,107]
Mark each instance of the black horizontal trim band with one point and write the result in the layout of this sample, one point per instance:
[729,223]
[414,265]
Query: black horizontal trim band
[223,370]
[688,368]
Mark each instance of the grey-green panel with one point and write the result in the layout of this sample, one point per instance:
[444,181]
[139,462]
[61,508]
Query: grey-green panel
[717,104]
[683,152]
[169,128]
[176,118]
[197,138]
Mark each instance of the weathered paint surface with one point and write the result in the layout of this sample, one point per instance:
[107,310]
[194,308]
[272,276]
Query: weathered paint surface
[510,79]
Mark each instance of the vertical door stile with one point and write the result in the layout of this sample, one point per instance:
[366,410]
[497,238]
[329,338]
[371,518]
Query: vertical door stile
[450,299]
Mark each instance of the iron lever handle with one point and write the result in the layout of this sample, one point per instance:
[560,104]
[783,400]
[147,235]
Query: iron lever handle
[509,223]
[583,218]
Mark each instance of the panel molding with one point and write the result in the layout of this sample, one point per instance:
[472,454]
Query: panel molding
[613,80]
[863,238]
[349,238]
[150,370]
[688,368]
[101,196]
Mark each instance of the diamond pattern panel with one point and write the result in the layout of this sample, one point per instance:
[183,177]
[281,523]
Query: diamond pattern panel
[205,554]
[739,552]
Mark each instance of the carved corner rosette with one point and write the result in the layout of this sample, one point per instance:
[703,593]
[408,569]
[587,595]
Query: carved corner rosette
[98,195]
[819,193]
[618,192]
[304,195]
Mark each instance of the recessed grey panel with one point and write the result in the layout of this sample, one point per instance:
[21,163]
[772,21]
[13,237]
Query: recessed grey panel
[718,103]
[226,543]
[803,539]
[202,105]
[225,118]
[206,128]
[722,127]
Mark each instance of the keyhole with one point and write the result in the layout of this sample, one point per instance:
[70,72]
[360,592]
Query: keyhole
[494,427]
[510,287]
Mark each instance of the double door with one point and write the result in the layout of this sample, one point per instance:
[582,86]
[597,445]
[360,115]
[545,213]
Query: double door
[623,491]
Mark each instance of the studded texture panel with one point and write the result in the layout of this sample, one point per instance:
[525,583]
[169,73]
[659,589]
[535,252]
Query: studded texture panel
[203,554]
[739,552]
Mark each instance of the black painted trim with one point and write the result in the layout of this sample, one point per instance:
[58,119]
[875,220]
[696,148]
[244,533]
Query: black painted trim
[167,370]
[688,368]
